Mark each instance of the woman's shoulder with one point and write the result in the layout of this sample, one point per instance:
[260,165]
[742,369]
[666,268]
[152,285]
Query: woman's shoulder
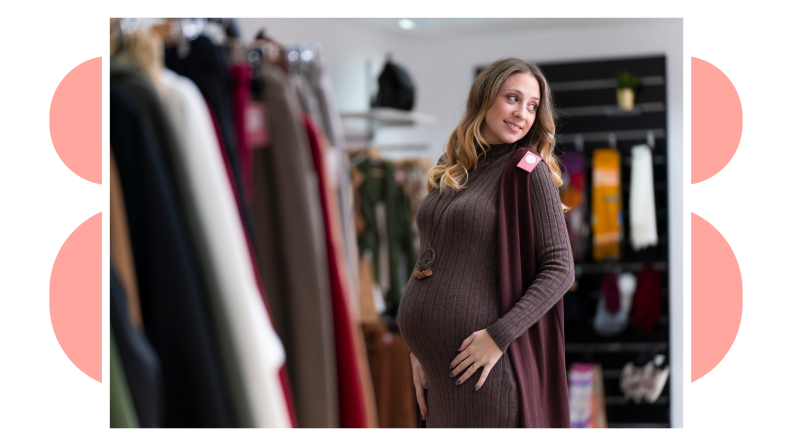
[543,167]
[541,174]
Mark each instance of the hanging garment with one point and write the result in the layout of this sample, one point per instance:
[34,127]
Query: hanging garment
[318,99]
[613,310]
[379,191]
[240,98]
[173,300]
[319,77]
[218,136]
[609,324]
[647,301]
[340,168]
[254,354]
[205,65]
[309,104]
[121,248]
[352,405]
[396,89]
[138,358]
[627,284]
[391,371]
[369,312]
[291,245]
[573,194]
[252,109]
[606,208]
[643,224]
[383,271]
[122,410]
[402,249]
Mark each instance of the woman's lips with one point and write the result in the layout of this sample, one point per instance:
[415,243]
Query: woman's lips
[513,127]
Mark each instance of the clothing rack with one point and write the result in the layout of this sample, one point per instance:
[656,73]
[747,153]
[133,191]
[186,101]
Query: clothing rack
[254,369]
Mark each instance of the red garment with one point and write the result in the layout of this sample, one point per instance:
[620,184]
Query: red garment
[537,356]
[240,96]
[350,390]
[285,385]
[647,300]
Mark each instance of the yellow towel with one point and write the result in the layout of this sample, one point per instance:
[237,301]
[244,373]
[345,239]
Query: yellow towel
[606,204]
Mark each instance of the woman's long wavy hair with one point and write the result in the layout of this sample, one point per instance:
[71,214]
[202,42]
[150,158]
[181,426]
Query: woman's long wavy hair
[460,152]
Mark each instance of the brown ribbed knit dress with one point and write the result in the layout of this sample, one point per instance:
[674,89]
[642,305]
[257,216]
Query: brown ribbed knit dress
[437,313]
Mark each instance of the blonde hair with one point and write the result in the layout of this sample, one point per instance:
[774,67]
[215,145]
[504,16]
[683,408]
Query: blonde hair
[460,151]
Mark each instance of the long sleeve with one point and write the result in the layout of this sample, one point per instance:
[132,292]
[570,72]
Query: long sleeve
[555,272]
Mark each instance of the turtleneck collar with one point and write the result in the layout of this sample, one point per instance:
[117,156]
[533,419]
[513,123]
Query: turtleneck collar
[496,151]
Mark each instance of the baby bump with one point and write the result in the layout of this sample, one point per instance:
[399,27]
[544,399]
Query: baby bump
[444,315]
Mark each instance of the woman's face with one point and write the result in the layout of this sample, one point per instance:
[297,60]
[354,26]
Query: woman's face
[514,110]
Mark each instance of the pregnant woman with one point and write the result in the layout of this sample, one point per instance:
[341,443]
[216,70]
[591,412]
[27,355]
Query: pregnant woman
[479,361]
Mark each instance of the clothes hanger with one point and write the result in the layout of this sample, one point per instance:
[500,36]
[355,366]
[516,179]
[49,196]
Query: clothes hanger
[274,53]
[612,140]
[579,145]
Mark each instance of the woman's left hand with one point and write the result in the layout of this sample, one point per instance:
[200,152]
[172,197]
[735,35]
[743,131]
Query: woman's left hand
[480,350]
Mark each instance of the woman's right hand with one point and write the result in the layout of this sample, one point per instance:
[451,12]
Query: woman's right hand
[419,380]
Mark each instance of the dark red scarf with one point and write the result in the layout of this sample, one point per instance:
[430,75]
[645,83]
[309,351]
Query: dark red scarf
[537,357]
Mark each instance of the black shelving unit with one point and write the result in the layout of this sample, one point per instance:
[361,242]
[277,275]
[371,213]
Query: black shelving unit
[585,94]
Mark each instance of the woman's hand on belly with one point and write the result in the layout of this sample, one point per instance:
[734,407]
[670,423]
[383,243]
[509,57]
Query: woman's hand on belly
[480,350]
[419,380]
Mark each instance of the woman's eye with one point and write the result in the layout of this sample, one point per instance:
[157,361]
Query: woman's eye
[532,107]
[513,97]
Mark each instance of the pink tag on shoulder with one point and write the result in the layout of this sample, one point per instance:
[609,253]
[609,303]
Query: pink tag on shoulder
[529,161]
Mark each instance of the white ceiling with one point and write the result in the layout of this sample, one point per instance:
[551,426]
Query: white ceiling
[437,27]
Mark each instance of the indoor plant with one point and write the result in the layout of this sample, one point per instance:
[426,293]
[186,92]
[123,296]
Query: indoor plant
[626,84]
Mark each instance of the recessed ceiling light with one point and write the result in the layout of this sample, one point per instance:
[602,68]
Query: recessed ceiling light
[406,24]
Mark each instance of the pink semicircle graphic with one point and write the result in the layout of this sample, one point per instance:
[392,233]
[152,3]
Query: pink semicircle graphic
[76,297]
[716,120]
[76,120]
[716,297]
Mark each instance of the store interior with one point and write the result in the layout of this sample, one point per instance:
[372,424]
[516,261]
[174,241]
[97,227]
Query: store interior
[265,177]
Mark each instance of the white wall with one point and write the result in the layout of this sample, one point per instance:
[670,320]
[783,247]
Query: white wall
[443,67]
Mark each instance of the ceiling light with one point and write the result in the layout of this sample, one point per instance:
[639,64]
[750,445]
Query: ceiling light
[306,55]
[406,24]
